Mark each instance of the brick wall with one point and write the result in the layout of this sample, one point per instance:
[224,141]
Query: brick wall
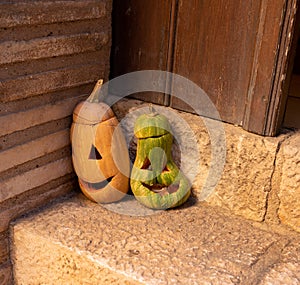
[51,54]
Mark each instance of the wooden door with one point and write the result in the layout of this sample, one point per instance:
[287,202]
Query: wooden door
[141,32]
[292,109]
[235,50]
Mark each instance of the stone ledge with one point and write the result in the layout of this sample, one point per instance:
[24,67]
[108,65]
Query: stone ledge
[288,182]
[246,180]
[287,270]
[80,242]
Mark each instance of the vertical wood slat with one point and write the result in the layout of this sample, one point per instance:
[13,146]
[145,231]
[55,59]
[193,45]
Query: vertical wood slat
[292,114]
[268,92]
[294,90]
[141,39]
[291,117]
[214,46]
[221,44]
[235,51]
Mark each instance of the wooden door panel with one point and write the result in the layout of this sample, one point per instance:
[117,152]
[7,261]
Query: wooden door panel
[269,55]
[215,44]
[235,50]
[283,69]
[141,32]
[229,48]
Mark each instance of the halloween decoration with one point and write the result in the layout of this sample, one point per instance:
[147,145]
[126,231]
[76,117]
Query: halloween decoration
[156,181]
[99,151]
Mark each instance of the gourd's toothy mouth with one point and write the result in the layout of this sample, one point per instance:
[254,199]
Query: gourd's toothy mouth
[153,137]
[161,189]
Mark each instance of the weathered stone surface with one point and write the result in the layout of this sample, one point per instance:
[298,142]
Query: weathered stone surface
[17,206]
[84,242]
[60,265]
[287,270]
[33,117]
[14,186]
[246,176]
[37,84]
[288,166]
[52,52]
[17,14]
[16,51]
[34,149]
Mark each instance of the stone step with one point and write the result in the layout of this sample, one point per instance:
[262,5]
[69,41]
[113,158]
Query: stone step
[260,177]
[76,241]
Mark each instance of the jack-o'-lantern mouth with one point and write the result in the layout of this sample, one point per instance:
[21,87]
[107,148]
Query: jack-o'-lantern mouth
[99,185]
[162,190]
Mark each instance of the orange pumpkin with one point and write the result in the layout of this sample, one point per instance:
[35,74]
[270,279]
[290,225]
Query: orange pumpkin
[99,150]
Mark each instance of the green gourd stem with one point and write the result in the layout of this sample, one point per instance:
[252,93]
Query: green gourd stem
[152,111]
[96,95]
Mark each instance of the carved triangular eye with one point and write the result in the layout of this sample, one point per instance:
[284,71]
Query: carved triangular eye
[166,169]
[94,153]
[147,164]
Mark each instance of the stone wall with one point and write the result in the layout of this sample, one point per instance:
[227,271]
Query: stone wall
[287,183]
[51,54]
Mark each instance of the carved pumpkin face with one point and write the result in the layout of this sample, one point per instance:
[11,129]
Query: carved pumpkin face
[156,181]
[99,153]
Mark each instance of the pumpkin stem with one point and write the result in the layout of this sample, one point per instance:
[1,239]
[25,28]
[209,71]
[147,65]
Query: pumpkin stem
[96,95]
[152,111]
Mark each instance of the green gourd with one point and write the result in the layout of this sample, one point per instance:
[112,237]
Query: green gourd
[155,179]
